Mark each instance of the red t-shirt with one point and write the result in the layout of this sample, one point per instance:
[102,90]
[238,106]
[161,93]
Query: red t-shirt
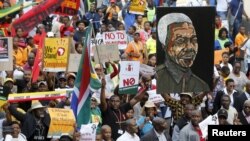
[200,134]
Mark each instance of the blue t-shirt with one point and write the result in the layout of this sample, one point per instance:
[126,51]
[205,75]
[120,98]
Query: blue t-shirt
[234,5]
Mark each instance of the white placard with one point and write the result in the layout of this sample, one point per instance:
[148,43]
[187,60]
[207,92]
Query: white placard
[116,37]
[88,132]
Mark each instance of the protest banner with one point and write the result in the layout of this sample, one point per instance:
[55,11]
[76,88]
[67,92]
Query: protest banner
[96,42]
[154,97]
[116,37]
[56,53]
[147,70]
[36,15]
[62,121]
[14,8]
[68,7]
[129,77]
[106,53]
[210,120]
[4,92]
[74,61]
[138,7]
[88,132]
[50,95]
[6,57]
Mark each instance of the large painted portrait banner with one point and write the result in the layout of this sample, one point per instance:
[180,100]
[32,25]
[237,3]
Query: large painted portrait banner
[185,49]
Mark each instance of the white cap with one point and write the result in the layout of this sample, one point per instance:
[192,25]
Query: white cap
[168,19]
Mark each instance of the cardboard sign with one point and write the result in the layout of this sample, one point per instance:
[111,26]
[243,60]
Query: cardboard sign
[36,15]
[116,37]
[147,70]
[154,97]
[138,7]
[50,95]
[6,58]
[88,132]
[74,61]
[210,120]
[129,77]
[55,56]
[62,121]
[96,42]
[106,53]
[68,7]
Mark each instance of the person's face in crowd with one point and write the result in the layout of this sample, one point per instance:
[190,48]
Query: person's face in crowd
[136,37]
[152,61]
[225,74]
[93,103]
[65,21]
[224,35]
[9,84]
[146,79]
[98,137]
[237,67]
[230,86]
[16,130]
[62,82]
[121,27]
[115,102]
[139,19]
[130,114]
[79,48]
[114,16]
[225,102]
[99,72]
[246,108]
[110,27]
[71,81]
[42,88]
[195,118]
[106,133]
[147,26]
[242,30]
[248,88]
[39,113]
[27,76]
[92,8]
[100,12]
[150,112]
[19,32]
[185,99]
[225,58]
[132,127]
[131,30]
[160,125]
[103,28]
[31,41]
[217,20]
[185,45]
[222,120]
[31,59]
[81,26]
[188,110]
[15,42]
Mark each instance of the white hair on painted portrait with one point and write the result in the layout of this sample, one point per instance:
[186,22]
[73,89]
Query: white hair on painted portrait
[168,19]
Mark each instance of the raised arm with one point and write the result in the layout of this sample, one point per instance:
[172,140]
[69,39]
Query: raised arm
[103,104]
[138,96]
[115,71]
[18,115]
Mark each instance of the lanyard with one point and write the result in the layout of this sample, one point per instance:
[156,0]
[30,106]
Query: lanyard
[119,119]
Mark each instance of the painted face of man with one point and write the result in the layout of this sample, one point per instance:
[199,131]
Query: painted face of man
[183,46]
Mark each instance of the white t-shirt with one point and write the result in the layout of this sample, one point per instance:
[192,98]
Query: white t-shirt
[222,5]
[246,47]
[229,66]
[196,3]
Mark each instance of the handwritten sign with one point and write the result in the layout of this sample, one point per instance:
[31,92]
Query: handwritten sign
[116,37]
[37,96]
[154,97]
[138,7]
[129,77]
[210,120]
[6,58]
[68,7]
[62,121]
[88,132]
[55,57]
[106,53]
[74,61]
[147,70]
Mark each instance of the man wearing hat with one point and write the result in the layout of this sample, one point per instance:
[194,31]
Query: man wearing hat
[71,79]
[222,117]
[9,82]
[35,123]
[62,81]
[178,38]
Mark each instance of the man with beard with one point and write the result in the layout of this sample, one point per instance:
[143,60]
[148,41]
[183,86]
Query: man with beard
[178,37]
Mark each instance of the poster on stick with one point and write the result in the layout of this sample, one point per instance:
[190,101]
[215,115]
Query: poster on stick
[138,7]
[88,132]
[129,77]
[62,121]
[106,53]
[6,58]
[55,56]
[74,61]
[116,37]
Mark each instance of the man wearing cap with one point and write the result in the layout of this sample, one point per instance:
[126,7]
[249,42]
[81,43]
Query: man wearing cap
[222,117]
[179,41]
[35,123]
[62,81]
[71,79]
